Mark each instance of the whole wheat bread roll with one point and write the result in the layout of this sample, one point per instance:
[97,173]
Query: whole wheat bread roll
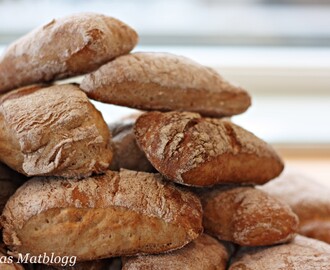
[192,150]
[9,182]
[65,47]
[204,253]
[54,131]
[247,216]
[165,82]
[301,254]
[118,213]
[309,199]
[126,153]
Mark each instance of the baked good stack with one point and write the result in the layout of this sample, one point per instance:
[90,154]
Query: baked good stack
[176,171]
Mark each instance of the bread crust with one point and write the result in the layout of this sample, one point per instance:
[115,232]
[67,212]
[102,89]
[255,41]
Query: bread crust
[247,216]
[192,150]
[127,154]
[309,199]
[203,253]
[53,131]
[301,254]
[65,47]
[165,82]
[118,213]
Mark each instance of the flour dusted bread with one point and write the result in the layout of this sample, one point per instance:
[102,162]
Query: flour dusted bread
[65,47]
[54,131]
[118,213]
[127,154]
[9,182]
[247,216]
[204,253]
[197,151]
[301,254]
[165,82]
[309,199]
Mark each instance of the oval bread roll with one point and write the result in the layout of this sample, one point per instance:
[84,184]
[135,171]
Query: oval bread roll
[247,216]
[165,82]
[119,213]
[53,131]
[204,253]
[192,150]
[309,199]
[66,47]
[127,154]
[301,254]
[9,182]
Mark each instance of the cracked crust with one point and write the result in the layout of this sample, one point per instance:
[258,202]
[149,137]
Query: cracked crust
[165,82]
[127,154]
[204,253]
[29,116]
[301,254]
[192,150]
[247,216]
[309,199]
[118,213]
[66,47]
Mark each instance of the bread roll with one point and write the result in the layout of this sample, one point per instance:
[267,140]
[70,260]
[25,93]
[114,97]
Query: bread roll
[53,131]
[165,82]
[204,253]
[118,213]
[247,216]
[66,47]
[9,182]
[199,151]
[301,254]
[309,199]
[127,154]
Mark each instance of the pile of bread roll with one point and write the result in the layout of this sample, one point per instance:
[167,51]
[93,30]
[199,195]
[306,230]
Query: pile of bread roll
[171,188]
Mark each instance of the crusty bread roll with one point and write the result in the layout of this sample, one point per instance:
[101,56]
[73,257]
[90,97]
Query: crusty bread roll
[204,253]
[66,47]
[309,199]
[199,151]
[118,213]
[9,182]
[53,131]
[301,254]
[165,82]
[126,153]
[247,216]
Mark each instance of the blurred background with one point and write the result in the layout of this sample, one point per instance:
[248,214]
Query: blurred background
[279,50]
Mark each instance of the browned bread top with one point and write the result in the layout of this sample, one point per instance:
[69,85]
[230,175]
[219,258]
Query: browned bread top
[162,81]
[203,253]
[198,151]
[53,131]
[64,47]
[118,213]
[301,254]
[247,216]
[309,199]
